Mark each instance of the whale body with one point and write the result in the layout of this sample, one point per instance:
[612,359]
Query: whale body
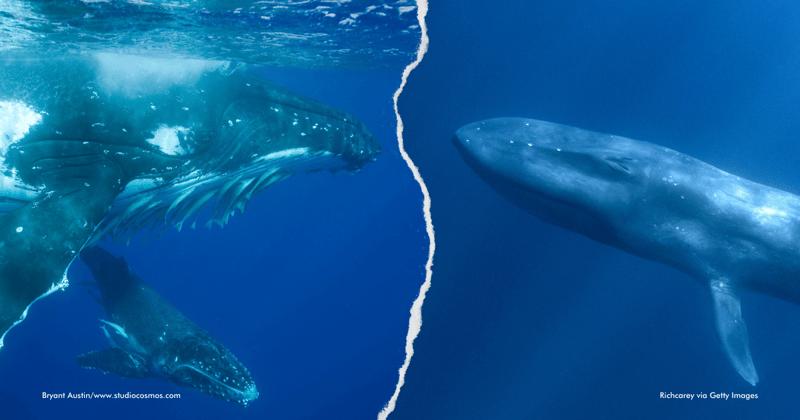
[151,338]
[104,145]
[731,234]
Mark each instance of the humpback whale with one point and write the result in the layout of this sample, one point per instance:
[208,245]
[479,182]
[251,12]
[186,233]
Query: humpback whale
[731,234]
[151,338]
[105,145]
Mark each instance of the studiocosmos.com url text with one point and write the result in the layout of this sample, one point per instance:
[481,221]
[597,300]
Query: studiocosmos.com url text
[115,396]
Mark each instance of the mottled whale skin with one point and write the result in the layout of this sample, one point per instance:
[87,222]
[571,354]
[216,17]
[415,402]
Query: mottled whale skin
[729,233]
[105,145]
[151,338]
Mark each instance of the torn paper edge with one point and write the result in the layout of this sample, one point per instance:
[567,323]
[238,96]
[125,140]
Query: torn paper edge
[415,321]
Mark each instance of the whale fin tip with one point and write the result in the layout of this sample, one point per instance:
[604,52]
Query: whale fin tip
[731,329]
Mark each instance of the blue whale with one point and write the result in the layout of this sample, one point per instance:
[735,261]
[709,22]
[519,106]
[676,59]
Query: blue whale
[151,338]
[731,234]
[103,145]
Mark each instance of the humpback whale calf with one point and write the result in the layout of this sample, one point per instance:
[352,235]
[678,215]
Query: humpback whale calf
[151,338]
[106,145]
[731,234]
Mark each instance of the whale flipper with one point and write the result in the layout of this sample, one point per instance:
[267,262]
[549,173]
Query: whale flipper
[114,360]
[732,331]
[39,240]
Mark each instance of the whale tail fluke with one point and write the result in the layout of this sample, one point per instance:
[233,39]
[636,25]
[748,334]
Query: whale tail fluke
[731,330]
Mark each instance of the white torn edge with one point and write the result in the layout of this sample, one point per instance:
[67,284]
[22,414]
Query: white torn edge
[61,285]
[415,321]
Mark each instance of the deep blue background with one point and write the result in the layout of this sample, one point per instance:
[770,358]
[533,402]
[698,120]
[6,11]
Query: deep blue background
[310,289]
[525,320]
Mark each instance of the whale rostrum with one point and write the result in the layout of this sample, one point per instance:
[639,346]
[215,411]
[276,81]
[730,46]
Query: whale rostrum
[731,234]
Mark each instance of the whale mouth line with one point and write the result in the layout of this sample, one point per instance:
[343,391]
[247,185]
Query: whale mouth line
[249,393]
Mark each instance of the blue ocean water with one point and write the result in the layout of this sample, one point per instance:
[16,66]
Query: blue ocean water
[310,288]
[525,320]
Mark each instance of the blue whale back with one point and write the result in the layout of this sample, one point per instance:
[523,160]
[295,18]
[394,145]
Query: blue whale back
[731,234]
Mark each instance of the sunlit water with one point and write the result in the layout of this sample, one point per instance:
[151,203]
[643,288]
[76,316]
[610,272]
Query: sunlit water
[364,35]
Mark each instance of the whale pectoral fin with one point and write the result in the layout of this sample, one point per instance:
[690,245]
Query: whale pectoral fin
[114,360]
[39,240]
[732,331]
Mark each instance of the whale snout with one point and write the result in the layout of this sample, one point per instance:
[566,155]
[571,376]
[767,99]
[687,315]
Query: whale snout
[465,143]
[501,136]
[491,145]
[458,141]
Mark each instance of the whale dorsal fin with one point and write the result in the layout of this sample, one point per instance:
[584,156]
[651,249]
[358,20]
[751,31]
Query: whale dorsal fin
[731,329]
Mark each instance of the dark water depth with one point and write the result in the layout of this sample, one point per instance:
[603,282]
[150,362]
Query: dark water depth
[525,320]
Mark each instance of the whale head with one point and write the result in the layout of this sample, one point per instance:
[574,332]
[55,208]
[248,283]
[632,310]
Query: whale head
[185,135]
[262,135]
[570,177]
[203,363]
